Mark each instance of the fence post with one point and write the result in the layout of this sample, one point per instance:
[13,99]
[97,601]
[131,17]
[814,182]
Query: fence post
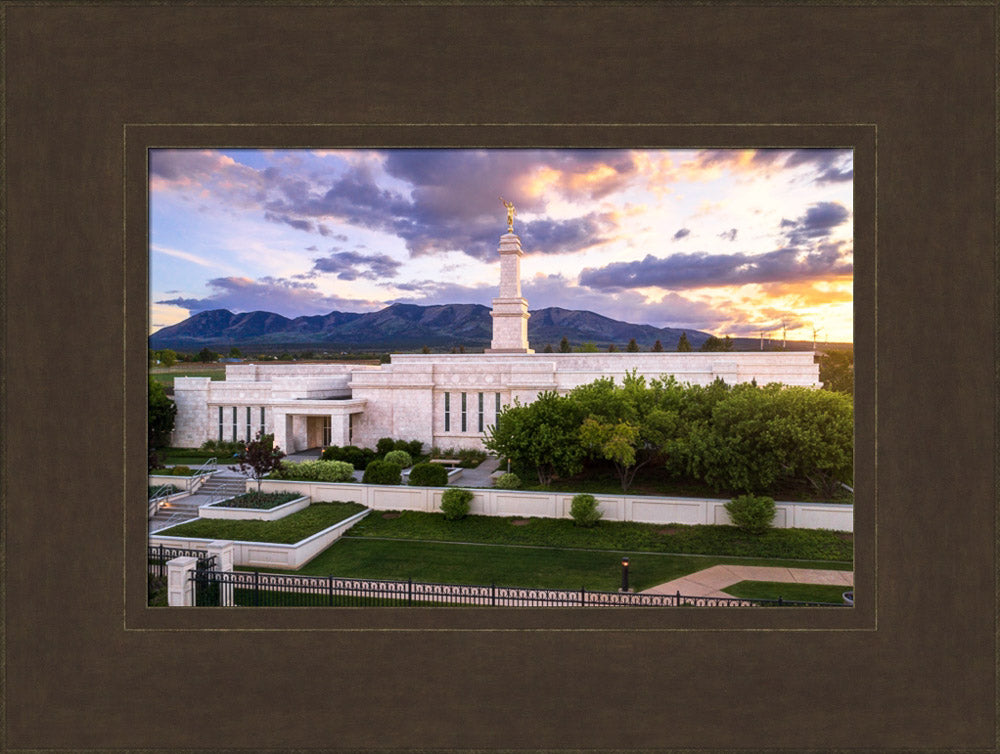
[329,584]
[409,592]
[180,590]
[583,600]
[678,603]
[256,588]
[493,595]
[163,564]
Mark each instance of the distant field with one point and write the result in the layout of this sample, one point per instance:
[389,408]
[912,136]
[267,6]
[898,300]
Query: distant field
[166,375]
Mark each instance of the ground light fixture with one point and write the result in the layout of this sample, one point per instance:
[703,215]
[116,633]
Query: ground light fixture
[625,574]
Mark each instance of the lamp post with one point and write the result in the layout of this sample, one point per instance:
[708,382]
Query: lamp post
[625,574]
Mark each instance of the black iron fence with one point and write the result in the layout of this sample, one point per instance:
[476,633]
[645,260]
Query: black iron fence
[158,556]
[255,589]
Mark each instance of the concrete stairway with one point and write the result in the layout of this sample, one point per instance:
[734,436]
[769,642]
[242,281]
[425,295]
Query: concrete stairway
[219,486]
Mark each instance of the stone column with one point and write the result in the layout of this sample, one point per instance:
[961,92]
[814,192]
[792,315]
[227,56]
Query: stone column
[510,309]
[225,556]
[180,588]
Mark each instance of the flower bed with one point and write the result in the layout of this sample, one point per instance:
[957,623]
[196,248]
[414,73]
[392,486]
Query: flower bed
[258,500]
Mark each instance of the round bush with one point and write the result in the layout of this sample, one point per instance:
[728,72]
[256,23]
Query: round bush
[399,457]
[751,513]
[455,503]
[180,470]
[385,445]
[322,471]
[382,472]
[584,510]
[508,481]
[429,475]
[414,448]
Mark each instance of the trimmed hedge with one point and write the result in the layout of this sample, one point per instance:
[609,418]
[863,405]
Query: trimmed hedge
[359,458]
[399,457]
[508,481]
[429,475]
[316,471]
[382,472]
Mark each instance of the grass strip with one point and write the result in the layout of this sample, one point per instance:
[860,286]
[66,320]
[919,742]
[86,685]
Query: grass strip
[631,536]
[287,530]
[772,590]
[452,563]
[258,500]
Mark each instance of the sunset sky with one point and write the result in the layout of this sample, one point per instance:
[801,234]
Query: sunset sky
[731,242]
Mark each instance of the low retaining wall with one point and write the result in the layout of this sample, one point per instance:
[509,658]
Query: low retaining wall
[254,514]
[267,554]
[642,508]
[186,483]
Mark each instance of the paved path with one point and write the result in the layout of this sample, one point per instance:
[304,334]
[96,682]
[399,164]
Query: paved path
[712,581]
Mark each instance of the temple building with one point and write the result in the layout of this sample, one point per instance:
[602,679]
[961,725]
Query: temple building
[444,400]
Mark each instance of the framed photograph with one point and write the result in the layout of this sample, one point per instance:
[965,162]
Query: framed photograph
[103,103]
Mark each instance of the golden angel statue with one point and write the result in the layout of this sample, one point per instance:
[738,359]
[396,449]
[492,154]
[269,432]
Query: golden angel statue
[510,214]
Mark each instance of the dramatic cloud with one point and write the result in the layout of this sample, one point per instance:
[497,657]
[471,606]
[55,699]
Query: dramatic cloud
[700,270]
[828,165]
[728,235]
[818,222]
[297,224]
[682,233]
[285,297]
[350,265]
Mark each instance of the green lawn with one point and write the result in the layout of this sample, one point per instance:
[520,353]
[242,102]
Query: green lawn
[508,566]
[287,530]
[806,544]
[772,590]
[259,500]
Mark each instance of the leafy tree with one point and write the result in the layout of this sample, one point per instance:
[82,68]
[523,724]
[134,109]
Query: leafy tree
[425,349]
[162,413]
[167,357]
[587,348]
[259,457]
[548,348]
[684,344]
[543,434]
[658,346]
[717,344]
[632,346]
[612,348]
[564,346]
[205,355]
[836,371]
[628,425]
[235,353]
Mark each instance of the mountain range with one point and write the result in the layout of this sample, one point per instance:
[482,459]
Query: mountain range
[405,327]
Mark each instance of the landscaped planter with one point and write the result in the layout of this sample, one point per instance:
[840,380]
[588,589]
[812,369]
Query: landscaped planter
[220,510]
[268,554]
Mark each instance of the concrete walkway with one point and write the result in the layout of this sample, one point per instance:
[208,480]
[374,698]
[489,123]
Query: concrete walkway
[712,581]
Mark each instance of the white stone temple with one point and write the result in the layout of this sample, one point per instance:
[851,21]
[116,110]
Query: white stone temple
[447,400]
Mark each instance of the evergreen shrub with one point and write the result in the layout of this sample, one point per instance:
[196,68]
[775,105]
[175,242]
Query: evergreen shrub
[382,472]
[508,481]
[399,457]
[429,475]
[751,513]
[455,503]
[584,510]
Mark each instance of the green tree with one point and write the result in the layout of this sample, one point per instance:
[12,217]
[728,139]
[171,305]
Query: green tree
[564,346]
[161,415]
[612,348]
[548,348]
[632,346]
[235,353]
[543,435]
[425,349]
[683,344]
[628,424]
[587,348]
[205,355]
[167,357]
[259,457]
[658,346]
[714,344]
[836,371]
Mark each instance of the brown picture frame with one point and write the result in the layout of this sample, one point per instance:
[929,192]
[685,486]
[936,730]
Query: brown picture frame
[88,88]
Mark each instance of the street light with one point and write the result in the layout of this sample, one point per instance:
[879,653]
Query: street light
[625,574]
